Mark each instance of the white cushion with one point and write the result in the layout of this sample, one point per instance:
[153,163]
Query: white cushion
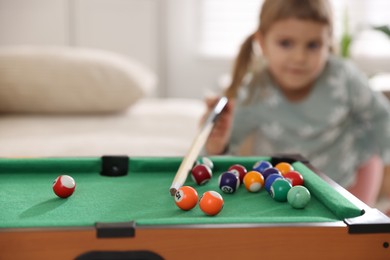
[69,80]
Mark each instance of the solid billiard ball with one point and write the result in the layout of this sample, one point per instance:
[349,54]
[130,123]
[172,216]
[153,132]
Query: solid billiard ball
[201,174]
[279,190]
[211,203]
[294,177]
[271,178]
[253,181]
[206,161]
[239,170]
[186,197]
[64,186]
[228,182]
[269,171]
[284,167]
[260,166]
[298,197]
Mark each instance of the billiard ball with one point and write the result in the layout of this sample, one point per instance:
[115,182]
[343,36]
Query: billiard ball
[271,178]
[294,177]
[211,203]
[298,197]
[253,181]
[228,182]
[64,186]
[267,172]
[201,174]
[284,167]
[260,166]
[239,170]
[206,161]
[186,197]
[279,190]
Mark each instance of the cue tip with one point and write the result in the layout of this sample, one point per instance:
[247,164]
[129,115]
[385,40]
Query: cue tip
[173,191]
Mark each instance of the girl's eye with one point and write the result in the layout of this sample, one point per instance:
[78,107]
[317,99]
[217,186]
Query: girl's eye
[313,45]
[285,43]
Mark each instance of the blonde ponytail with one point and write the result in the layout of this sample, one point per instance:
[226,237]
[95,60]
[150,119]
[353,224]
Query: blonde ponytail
[241,66]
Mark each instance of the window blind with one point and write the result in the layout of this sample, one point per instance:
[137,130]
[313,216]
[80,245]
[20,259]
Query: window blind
[224,24]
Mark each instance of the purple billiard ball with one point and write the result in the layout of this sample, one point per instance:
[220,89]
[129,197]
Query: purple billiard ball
[269,171]
[261,166]
[228,182]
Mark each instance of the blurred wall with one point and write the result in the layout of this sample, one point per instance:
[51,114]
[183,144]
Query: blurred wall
[158,33]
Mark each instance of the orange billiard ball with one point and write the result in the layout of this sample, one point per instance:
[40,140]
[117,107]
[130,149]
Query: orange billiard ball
[211,203]
[186,197]
[284,167]
[254,181]
[64,186]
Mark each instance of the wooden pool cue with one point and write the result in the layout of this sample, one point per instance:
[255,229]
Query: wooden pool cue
[197,144]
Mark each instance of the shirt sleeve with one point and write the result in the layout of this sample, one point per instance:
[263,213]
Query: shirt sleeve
[371,111]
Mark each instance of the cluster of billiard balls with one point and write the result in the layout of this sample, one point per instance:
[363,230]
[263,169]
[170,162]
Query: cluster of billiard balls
[281,181]
[64,186]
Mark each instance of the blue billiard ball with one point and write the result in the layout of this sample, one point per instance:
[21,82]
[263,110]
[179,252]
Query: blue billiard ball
[261,166]
[271,178]
[228,182]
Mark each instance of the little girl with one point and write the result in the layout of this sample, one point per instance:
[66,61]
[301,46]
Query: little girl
[305,100]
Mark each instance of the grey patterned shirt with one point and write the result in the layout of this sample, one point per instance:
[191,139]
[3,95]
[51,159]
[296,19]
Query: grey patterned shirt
[337,127]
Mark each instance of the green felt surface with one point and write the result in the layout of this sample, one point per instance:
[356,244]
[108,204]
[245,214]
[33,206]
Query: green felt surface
[27,199]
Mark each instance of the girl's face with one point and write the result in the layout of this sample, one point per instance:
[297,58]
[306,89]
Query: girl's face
[296,51]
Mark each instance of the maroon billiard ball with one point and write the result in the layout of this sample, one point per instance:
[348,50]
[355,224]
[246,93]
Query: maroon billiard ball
[64,186]
[201,174]
[238,170]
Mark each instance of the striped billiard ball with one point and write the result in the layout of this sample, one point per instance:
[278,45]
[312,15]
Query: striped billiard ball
[201,174]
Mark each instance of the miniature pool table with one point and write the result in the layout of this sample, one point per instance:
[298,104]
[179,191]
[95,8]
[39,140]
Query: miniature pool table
[122,209]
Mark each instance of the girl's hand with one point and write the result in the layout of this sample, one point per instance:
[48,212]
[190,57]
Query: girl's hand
[220,134]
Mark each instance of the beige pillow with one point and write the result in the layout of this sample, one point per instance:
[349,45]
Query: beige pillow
[69,80]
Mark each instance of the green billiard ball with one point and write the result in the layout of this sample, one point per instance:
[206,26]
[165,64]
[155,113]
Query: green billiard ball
[206,161]
[298,197]
[279,189]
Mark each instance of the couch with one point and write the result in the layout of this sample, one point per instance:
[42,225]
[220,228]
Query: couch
[64,101]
